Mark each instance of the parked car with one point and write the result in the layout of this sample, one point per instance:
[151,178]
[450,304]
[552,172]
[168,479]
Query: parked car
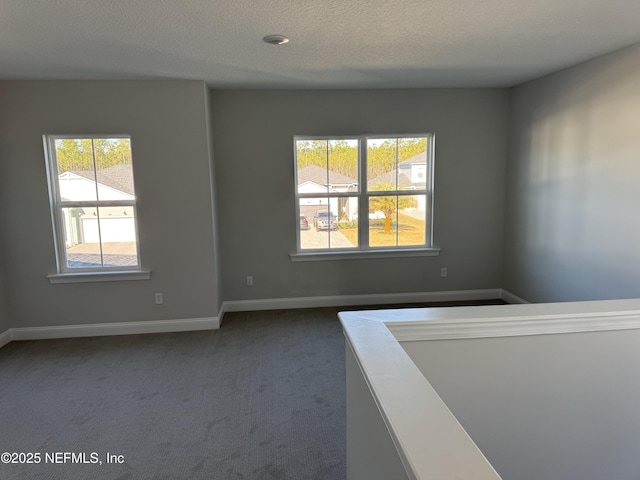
[304,223]
[325,220]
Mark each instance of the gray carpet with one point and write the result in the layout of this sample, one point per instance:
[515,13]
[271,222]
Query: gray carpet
[261,398]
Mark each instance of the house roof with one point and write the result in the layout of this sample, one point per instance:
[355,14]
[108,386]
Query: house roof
[404,180]
[419,158]
[403,173]
[119,177]
[318,175]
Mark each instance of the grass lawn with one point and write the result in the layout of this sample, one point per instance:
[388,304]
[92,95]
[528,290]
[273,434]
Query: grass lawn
[410,232]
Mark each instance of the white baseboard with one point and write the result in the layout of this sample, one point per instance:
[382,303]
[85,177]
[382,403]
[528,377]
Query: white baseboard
[512,298]
[121,328]
[210,323]
[352,300]
[5,337]
[221,313]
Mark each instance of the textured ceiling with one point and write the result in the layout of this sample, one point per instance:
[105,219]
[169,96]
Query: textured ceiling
[334,43]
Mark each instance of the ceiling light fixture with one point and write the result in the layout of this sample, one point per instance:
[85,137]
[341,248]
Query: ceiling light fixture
[276,39]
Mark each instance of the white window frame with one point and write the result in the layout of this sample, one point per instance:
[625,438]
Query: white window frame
[363,250]
[64,273]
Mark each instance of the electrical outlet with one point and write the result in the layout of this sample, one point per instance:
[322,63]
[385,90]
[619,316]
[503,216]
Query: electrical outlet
[249,281]
[443,272]
[159,299]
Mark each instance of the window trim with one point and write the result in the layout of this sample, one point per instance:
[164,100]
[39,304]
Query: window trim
[363,194]
[354,254]
[111,276]
[65,274]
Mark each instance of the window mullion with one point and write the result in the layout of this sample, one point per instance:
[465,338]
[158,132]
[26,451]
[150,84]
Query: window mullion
[363,198]
[429,188]
[397,167]
[95,168]
[397,213]
[408,193]
[59,238]
[100,236]
[298,213]
[93,203]
[95,176]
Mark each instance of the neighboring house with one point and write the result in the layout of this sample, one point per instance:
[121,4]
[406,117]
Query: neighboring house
[314,180]
[411,174]
[116,223]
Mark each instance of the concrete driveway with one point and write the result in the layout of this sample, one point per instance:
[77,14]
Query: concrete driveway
[114,254]
[313,239]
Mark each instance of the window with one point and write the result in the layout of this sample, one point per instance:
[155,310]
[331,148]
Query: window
[364,193]
[93,203]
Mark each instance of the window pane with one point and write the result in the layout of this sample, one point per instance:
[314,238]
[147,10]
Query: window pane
[315,210]
[397,220]
[97,237]
[346,236]
[342,160]
[396,164]
[82,239]
[383,214]
[118,235]
[382,159]
[325,166]
[113,168]
[311,158]
[412,163]
[412,220]
[76,172]
[330,223]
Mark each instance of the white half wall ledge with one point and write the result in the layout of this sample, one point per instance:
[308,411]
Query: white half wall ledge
[430,442]
[354,300]
[5,338]
[119,328]
[491,321]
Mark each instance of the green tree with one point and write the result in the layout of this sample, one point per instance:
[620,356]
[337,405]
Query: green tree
[78,153]
[384,157]
[389,204]
[341,156]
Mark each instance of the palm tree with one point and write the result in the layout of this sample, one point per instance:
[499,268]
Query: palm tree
[389,204]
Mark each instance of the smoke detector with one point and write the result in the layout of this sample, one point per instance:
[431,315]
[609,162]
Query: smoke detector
[276,39]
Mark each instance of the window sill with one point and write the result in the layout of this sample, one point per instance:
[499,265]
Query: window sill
[113,276]
[363,254]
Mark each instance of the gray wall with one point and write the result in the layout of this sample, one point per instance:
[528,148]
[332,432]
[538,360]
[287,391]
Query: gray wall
[4,319]
[572,230]
[253,132]
[167,122]
[371,453]
[546,406]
